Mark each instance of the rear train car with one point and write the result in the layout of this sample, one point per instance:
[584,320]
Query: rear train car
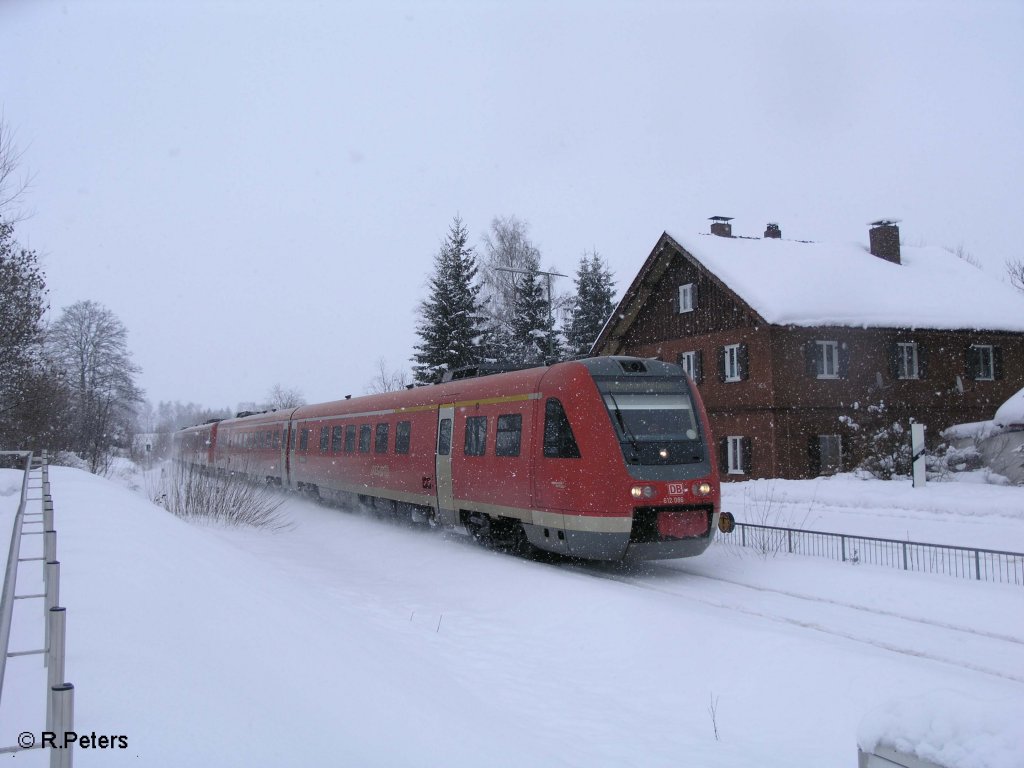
[605,458]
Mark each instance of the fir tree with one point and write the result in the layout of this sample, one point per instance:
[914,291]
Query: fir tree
[532,323]
[592,305]
[450,326]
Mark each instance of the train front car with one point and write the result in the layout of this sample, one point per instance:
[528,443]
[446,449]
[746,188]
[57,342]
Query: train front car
[626,461]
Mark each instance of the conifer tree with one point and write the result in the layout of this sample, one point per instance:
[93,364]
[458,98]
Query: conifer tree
[592,305]
[450,325]
[533,336]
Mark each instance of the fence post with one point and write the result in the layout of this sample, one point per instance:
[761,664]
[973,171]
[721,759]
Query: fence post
[62,703]
[57,619]
[789,540]
[904,555]
[743,535]
[977,565]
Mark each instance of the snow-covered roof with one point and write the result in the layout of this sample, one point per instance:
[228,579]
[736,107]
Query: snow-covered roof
[789,282]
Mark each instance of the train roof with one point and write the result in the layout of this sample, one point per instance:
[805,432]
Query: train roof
[460,389]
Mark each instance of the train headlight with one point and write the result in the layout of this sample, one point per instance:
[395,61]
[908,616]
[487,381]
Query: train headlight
[642,492]
[703,488]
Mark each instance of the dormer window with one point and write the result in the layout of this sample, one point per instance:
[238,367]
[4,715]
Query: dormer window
[687,298]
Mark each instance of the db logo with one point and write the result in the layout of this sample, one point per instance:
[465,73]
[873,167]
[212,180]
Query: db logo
[676,489]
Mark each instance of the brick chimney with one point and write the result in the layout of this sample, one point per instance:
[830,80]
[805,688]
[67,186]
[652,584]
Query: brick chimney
[720,226]
[885,239]
[773,231]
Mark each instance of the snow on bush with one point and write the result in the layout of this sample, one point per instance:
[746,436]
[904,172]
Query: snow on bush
[949,728]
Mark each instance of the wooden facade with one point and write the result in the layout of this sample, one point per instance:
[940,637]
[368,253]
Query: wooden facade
[771,406]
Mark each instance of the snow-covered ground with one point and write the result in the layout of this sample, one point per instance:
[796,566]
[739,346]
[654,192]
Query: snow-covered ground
[344,640]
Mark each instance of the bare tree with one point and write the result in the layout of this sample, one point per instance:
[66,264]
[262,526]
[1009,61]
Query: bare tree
[12,186]
[91,345]
[387,380]
[1015,269]
[506,247]
[281,397]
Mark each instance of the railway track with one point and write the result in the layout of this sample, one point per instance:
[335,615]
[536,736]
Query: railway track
[991,653]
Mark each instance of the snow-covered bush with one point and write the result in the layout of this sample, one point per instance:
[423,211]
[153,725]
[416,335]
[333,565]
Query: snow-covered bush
[880,444]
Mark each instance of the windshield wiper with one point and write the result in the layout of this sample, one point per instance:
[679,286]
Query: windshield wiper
[625,430]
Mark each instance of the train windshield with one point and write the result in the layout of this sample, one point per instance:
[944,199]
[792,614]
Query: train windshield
[654,420]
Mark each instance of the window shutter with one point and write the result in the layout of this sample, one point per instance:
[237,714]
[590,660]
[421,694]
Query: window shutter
[811,358]
[894,360]
[813,456]
[723,455]
[743,362]
[748,455]
[997,362]
[844,360]
[698,367]
[693,296]
[721,363]
[922,361]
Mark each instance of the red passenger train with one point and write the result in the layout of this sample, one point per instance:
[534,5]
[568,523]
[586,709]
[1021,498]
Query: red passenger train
[605,458]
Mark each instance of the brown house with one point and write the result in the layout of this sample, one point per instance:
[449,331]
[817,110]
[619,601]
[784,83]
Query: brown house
[795,344]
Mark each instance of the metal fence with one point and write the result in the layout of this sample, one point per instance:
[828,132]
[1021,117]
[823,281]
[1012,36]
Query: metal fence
[964,562]
[59,717]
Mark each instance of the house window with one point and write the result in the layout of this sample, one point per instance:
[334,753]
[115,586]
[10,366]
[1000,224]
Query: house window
[827,359]
[510,429]
[734,362]
[906,361]
[403,434]
[691,363]
[476,436]
[380,444]
[981,362]
[364,438]
[737,455]
[687,298]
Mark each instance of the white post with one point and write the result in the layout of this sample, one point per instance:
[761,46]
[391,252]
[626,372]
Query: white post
[917,448]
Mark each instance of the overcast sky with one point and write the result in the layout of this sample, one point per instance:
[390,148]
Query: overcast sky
[258,189]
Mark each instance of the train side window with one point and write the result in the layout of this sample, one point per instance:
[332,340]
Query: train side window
[403,434]
[303,439]
[295,434]
[268,438]
[380,443]
[510,430]
[276,445]
[284,438]
[336,434]
[444,437]
[476,436]
[364,438]
[325,439]
[559,441]
[350,438]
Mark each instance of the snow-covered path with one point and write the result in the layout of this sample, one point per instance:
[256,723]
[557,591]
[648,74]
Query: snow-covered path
[346,640]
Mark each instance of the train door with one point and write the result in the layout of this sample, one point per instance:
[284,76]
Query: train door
[443,466]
